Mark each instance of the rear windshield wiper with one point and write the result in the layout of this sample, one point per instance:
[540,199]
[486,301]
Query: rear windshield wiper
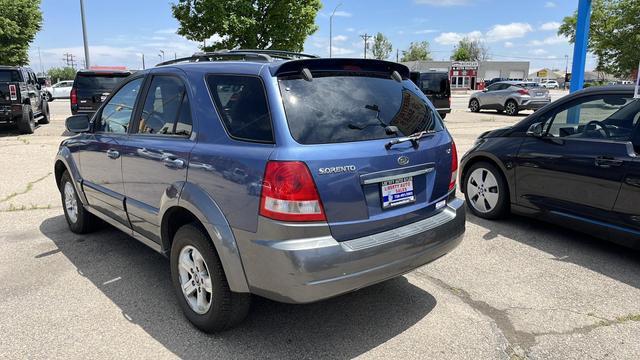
[414,138]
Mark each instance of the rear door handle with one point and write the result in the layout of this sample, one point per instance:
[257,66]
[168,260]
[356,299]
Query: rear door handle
[113,154]
[607,162]
[173,163]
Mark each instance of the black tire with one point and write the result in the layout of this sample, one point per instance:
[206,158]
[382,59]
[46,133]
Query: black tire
[511,108]
[227,308]
[44,119]
[501,208]
[27,124]
[85,222]
[474,105]
[500,111]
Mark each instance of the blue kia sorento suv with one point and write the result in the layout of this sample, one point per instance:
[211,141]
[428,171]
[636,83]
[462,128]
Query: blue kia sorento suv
[270,173]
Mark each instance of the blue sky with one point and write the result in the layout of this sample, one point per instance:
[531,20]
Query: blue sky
[120,31]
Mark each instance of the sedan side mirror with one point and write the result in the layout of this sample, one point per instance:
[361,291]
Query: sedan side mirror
[77,123]
[536,130]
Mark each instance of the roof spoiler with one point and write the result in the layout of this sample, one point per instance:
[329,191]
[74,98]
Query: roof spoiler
[334,64]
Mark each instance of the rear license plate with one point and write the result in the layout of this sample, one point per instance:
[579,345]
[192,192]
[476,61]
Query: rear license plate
[397,192]
[539,94]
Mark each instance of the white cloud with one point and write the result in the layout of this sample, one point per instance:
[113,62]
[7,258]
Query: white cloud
[508,44]
[538,52]
[508,31]
[339,38]
[341,51]
[351,29]
[425,31]
[551,40]
[166,31]
[452,38]
[342,13]
[550,4]
[443,2]
[550,26]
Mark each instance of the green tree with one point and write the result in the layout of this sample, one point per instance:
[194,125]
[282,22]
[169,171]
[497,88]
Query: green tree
[614,34]
[252,24]
[381,48]
[20,21]
[61,73]
[470,50]
[417,51]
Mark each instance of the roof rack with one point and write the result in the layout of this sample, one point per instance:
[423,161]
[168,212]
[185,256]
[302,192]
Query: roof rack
[240,54]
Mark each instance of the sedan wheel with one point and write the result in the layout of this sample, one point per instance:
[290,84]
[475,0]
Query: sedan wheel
[474,106]
[486,191]
[195,280]
[511,108]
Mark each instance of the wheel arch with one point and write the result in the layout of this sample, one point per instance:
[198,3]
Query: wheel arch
[195,205]
[64,162]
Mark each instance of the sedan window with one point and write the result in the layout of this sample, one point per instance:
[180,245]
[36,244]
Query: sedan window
[610,117]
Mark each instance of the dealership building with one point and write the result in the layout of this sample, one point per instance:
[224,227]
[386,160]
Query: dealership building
[471,75]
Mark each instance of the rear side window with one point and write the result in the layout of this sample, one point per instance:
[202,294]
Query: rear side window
[435,83]
[339,107]
[9,76]
[166,108]
[242,105]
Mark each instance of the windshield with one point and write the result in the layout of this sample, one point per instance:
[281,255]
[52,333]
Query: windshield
[104,82]
[434,83]
[9,76]
[342,107]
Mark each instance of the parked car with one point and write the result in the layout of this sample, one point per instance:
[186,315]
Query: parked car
[21,99]
[574,163]
[359,176]
[437,87]
[510,97]
[91,87]
[59,90]
[550,84]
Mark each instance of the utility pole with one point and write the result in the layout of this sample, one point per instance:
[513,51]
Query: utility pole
[162,54]
[397,55]
[366,38]
[566,70]
[331,29]
[143,62]
[69,60]
[84,36]
[40,57]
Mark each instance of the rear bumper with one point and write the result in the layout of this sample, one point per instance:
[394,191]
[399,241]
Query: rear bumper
[318,267]
[533,104]
[443,110]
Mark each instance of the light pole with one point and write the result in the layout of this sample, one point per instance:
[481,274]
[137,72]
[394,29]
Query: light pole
[84,36]
[331,29]
[162,54]
[566,70]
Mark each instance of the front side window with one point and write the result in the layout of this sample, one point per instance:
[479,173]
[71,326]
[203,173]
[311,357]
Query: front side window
[116,113]
[339,107]
[611,117]
[166,108]
[242,105]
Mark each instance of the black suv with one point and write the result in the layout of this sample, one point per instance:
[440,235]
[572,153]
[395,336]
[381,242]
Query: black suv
[437,87]
[91,88]
[21,99]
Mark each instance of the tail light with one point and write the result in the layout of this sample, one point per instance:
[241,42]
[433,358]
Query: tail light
[454,166]
[523,92]
[13,92]
[289,193]
[74,96]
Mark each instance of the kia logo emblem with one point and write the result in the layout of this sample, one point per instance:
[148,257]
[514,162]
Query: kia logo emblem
[403,160]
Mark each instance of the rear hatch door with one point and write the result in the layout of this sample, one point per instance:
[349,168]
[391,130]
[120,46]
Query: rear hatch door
[340,121]
[9,77]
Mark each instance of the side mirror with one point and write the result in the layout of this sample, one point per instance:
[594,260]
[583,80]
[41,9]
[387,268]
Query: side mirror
[77,123]
[536,130]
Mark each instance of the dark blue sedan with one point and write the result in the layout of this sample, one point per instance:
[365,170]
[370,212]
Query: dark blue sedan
[574,162]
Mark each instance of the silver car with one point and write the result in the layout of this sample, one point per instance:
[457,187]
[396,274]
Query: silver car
[510,97]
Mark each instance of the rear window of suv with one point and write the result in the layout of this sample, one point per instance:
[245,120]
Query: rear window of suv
[10,76]
[98,81]
[339,107]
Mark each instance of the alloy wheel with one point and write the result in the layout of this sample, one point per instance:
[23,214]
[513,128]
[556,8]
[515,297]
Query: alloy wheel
[195,279]
[511,108]
[474,106]
[482,190]
[70,202]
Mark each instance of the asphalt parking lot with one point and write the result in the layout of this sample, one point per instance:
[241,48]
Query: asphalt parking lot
[515,288]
